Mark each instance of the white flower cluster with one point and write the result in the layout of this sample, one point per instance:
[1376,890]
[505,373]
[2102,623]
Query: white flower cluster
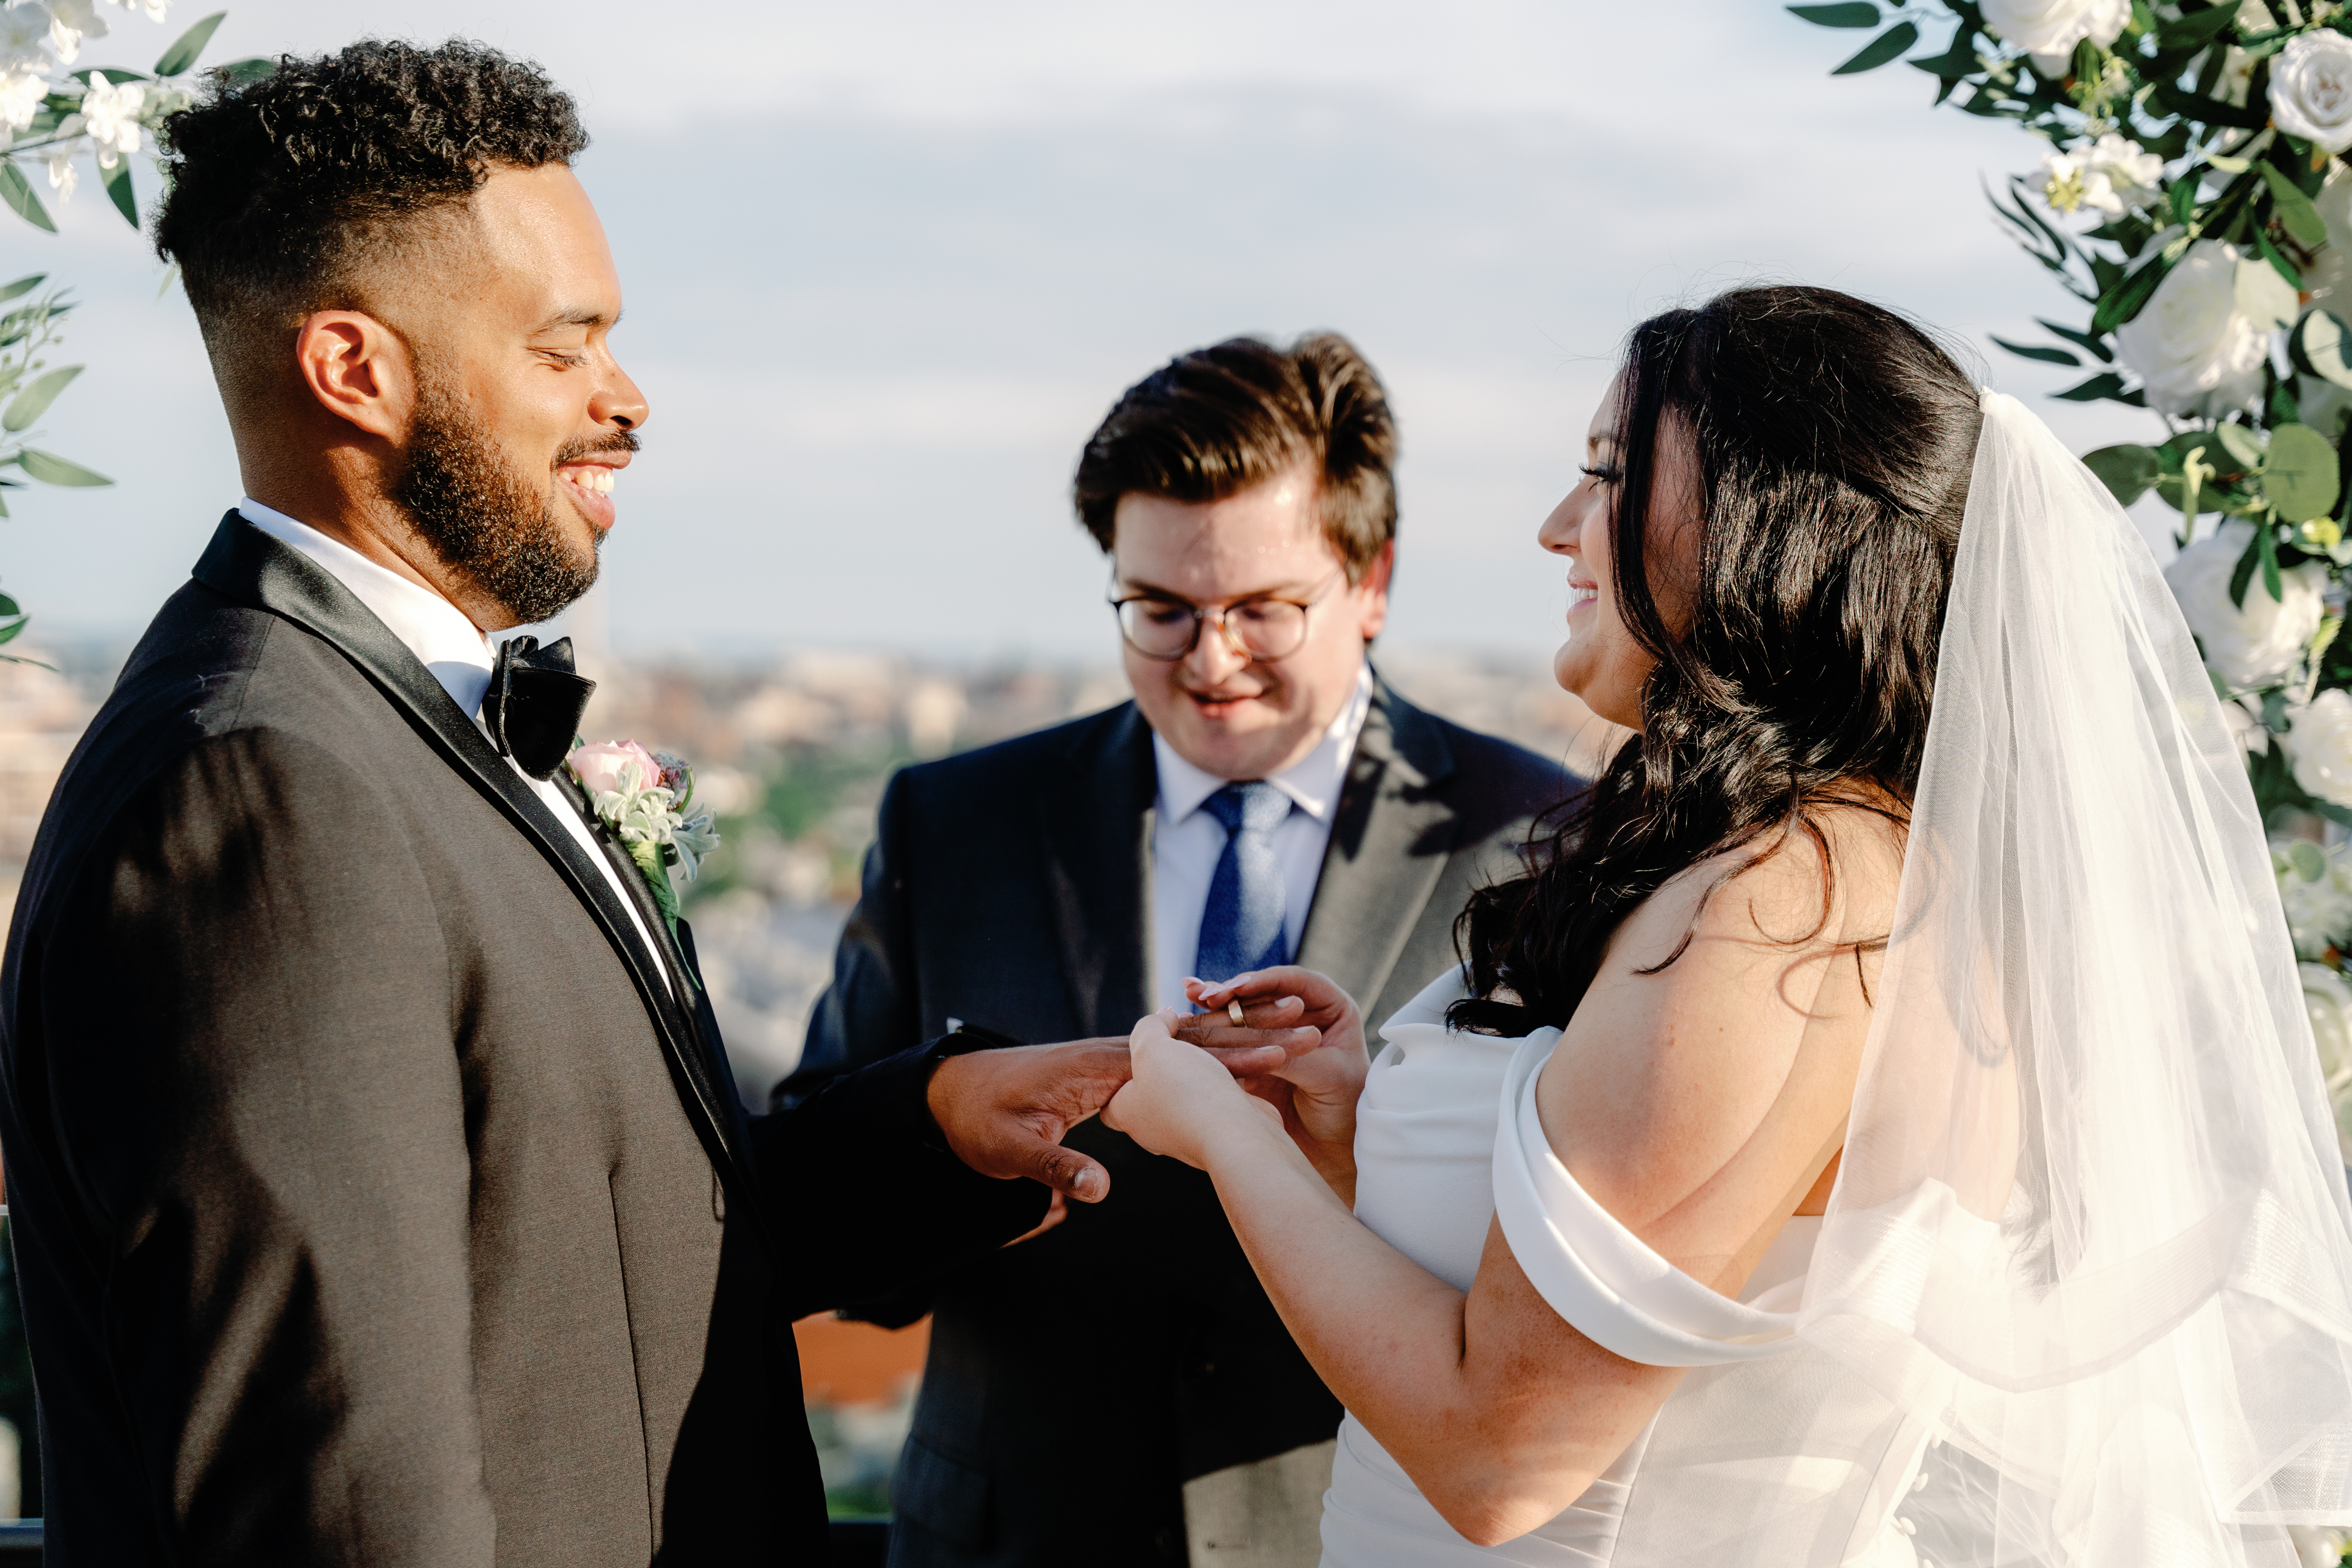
[653,810]
[40,39]
[2115,175]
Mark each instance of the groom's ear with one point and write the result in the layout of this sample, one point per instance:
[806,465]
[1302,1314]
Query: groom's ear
[359,370]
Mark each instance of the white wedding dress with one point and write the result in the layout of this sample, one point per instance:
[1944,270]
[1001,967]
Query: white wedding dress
[2082,1297]
[1433,1151]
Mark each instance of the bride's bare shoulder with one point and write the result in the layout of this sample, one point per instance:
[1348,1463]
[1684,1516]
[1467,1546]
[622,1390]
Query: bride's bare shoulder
[1711,1059]
[1824,883]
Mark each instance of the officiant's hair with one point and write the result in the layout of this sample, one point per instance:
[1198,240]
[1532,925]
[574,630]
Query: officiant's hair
[281,190]
[1211,423]
[1834,440]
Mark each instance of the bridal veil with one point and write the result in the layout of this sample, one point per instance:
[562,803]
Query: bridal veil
[2090,1241]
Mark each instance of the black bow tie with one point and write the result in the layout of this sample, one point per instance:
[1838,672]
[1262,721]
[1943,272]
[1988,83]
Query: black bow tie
[533,706]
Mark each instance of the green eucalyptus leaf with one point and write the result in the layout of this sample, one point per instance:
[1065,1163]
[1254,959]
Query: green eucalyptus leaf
[2126,471]
[2322,345]
[2196,29]
[2106,384]
[183,54]
[22,285]
[1954,64]
[244,72]
[2295,212]
[2300,475]
[2241,443]
[2122,302]
[54,470]
[2186,105]
[2083,341]
[1853,14]
[19,195]
[2286,269]
[33,401]
[2242,574]
[2047,356]
[1881,49]
[117,182]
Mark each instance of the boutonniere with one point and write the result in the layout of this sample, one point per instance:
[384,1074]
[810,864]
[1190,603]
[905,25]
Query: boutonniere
[647,798]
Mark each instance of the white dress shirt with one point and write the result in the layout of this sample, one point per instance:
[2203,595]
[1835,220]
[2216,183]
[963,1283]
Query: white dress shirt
[455,653]
[1187,842]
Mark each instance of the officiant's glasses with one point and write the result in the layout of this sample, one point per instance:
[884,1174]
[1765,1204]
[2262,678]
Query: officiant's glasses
[1265,627]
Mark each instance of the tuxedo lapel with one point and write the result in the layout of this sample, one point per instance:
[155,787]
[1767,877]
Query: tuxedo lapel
[252,568]
[1390,837]
[1096,825]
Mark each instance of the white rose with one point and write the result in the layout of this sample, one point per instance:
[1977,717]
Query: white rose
[2257,643]
[2319,742]
[2049,29]
[2329,276]
[2311,90]
[2246,728]
[2318,1545]
[2196,352]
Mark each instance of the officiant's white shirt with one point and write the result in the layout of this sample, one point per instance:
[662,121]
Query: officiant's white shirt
[454,650]
[1187,842]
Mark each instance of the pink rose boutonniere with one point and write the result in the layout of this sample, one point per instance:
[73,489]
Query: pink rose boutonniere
[647,799]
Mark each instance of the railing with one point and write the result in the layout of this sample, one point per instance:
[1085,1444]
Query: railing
[856,1542]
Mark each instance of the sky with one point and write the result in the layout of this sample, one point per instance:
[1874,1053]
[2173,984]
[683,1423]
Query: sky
[887,265]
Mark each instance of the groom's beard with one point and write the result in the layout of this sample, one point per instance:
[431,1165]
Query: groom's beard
[490,521]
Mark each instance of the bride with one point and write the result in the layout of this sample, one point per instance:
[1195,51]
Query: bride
[1881,1126]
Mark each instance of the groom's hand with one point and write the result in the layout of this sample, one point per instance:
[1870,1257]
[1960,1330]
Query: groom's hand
[1004,1112]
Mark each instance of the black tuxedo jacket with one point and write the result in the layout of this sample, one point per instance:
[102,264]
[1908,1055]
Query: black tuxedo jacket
[375,1199]
[1077,1380]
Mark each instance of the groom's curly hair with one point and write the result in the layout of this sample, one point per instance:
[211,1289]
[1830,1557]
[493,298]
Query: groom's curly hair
[283,189]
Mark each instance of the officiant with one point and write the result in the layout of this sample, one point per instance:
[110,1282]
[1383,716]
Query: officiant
[1116,1388]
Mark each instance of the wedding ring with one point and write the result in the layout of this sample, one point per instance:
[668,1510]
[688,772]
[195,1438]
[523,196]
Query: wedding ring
[1233,1011]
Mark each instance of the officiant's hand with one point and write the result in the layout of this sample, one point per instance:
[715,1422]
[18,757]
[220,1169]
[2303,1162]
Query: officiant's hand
[1004,1112]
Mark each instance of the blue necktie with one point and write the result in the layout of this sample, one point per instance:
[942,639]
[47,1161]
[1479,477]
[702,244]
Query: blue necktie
[1240,927]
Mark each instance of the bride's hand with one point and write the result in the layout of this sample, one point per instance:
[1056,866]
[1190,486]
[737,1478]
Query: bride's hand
[1180,1098]
[1315,1091]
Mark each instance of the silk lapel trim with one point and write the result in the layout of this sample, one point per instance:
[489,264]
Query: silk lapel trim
[249,566]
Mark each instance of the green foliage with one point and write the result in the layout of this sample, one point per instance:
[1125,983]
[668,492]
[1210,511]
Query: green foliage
[2149,144]
[1855,14]
[2128,472]
[2299,473]
[183,54]
[1881,49]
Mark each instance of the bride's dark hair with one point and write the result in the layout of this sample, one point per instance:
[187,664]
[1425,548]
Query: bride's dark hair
[1833,441]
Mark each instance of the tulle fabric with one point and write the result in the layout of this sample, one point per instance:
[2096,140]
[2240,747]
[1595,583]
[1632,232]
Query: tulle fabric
[2082,1295]
[2090,1228]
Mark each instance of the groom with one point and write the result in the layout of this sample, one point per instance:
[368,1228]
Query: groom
[379,1194]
